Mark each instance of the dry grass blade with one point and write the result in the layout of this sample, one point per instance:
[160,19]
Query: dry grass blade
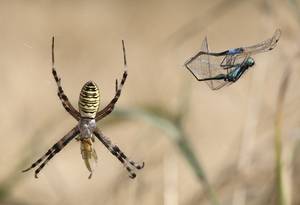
[14,178]
[177,134]
[295,174]
[278,139]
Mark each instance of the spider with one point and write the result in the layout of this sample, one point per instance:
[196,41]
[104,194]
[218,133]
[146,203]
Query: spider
[86,129]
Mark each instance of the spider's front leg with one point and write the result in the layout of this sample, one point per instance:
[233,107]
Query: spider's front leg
[114,149]
[109,108]
[64,99]
[53,151]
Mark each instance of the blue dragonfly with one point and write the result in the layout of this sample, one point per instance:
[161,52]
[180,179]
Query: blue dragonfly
[223,68]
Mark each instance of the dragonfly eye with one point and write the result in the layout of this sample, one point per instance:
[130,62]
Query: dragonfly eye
[250,61]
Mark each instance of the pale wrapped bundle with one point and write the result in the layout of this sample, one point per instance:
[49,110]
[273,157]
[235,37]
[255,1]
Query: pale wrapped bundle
[88,154]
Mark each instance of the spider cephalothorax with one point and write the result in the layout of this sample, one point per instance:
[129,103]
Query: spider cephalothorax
[86,129]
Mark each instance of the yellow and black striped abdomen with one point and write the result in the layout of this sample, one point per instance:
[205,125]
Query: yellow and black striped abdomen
[89,100]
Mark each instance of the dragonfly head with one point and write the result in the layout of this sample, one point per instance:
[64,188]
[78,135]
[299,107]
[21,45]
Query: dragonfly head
[250,62]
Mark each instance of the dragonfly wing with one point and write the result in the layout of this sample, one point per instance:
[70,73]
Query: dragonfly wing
[203,65]
[217,84]
[237,55]
[264,46]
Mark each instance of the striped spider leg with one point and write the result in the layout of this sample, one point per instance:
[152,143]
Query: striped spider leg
[115,150]
[109,108]
[53,151]
[86,129]
[129,164]
[60,92]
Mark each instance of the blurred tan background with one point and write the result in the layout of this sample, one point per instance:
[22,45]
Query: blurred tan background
[229,131]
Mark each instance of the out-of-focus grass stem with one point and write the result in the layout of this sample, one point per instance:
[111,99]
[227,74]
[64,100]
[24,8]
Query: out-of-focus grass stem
[278,139]
[294,5]
[16,176]
[172,125]
[174,130]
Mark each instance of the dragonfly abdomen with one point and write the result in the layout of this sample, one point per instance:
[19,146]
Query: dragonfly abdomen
[235,51]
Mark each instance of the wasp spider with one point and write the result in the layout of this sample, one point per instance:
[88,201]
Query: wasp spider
[86,128]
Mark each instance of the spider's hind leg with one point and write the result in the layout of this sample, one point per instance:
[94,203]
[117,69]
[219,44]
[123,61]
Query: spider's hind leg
[53,151]
[133,163]
[129,164]
[36,172]
[115,150]
[39,160]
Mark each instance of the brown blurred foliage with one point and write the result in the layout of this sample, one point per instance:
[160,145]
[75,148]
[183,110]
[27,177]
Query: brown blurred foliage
[199,146]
